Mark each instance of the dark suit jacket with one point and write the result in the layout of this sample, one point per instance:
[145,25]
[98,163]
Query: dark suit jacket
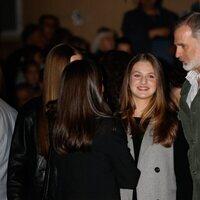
[97,174]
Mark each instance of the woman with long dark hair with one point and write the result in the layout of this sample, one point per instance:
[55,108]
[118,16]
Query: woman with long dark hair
[90,159]
[154,133]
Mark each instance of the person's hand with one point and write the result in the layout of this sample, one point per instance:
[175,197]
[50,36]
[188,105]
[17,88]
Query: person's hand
[159,32]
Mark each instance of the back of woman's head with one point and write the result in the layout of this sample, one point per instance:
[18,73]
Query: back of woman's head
[81,86]
[56,60]
[79,103]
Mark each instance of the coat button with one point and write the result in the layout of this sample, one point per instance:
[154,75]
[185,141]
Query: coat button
[157,169]
[114,129]
[194,172]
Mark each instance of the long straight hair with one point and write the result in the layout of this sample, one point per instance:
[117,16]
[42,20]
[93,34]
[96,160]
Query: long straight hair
[58,57]
[160,110]
[79,103]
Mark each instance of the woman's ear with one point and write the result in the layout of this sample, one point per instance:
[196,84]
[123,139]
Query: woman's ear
[75,57]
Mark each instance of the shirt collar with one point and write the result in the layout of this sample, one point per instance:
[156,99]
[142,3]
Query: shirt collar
[192,76]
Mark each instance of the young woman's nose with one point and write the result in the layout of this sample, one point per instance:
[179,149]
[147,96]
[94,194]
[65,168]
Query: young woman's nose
[143,80]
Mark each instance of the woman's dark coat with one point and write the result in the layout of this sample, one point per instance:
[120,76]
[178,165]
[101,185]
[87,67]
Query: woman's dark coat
[97,174]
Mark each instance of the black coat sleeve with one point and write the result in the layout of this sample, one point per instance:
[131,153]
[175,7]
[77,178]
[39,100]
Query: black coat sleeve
[114,144]
[109,142]
[50,183]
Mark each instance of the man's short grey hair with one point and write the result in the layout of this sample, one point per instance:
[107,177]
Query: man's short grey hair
[193,21]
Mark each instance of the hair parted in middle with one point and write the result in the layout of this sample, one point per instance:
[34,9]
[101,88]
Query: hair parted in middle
[160,110]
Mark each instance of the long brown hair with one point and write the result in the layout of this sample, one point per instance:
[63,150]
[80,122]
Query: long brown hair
[57,59]
[80,102]
[160,110]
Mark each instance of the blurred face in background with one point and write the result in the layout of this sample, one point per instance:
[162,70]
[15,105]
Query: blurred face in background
[32,74]
[107,42]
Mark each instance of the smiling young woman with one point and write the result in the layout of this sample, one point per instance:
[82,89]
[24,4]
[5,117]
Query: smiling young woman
[154,134]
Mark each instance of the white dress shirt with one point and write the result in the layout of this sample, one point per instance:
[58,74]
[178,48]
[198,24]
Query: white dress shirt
[7,122]
[192,77]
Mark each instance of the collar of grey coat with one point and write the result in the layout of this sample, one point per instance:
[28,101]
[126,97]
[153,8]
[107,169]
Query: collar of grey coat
[147,141]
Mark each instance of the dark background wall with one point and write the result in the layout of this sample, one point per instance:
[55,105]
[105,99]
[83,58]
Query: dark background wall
[94,13]
[89,15]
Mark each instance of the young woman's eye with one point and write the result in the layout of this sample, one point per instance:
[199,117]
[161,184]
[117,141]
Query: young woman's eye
[136,75]
[151,76]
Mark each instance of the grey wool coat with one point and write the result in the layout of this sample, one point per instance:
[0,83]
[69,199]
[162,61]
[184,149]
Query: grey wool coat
[156,163]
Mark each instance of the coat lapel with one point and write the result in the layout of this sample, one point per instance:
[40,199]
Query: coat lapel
[184,93]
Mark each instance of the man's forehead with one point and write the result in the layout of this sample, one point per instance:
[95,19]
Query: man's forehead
[184,29]
[183,34]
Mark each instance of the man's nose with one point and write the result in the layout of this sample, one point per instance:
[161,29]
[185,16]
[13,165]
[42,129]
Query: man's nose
[178,52]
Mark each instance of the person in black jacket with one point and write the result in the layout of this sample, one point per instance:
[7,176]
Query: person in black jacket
[90,159]
[30,143]
[149,27]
